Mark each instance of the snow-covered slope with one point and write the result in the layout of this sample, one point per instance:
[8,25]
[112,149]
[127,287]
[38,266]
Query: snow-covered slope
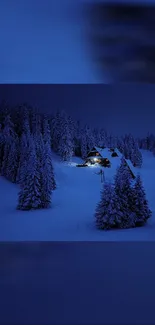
[71,216]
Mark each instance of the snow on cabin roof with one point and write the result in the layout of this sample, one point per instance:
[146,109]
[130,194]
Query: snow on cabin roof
[92,157]
[129,163]
[115,161]
[106,153]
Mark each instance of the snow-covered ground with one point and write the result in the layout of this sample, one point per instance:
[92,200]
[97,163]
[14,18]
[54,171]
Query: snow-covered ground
[71,217]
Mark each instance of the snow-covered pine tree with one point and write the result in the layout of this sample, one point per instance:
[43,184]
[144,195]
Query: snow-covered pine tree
[48,152]
[47,161]
[109,143]
[46,130]
[89,137]
[114,141]
[26,128]
[30,193]
[13,158]
[96,136]
[152,142]
[77,138]
[127,151]
[136,157]
[120,145]
[72,128]
[47,177]
[140,203]
[1,147]
[24,148]
[66,141]
[145,143]
[17,119]
[8,130]
[108,214]
[103,138]
[8,137]
[4,111]
[123,191]
[84,148]
[55,126]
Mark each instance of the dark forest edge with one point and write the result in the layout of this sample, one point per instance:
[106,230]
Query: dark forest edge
[27,139]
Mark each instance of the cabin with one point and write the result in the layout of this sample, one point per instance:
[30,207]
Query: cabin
[107,157]
[95,156]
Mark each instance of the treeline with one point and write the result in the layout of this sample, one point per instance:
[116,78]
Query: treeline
[26,155]
[147,143]
[68,137]
[27,139]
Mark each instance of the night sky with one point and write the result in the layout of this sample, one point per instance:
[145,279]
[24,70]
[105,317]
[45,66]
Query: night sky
[44,41]
[119,108]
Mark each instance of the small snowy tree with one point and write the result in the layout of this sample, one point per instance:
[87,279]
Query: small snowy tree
[136,157]
[30,193]
[140,203]
[108,214]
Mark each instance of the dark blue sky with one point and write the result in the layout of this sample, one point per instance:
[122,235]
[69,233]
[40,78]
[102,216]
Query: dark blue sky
[45,41]
[119,108]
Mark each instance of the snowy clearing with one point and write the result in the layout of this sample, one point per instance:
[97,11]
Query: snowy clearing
[71,217]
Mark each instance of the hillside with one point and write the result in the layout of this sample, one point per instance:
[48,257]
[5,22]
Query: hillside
[73,205]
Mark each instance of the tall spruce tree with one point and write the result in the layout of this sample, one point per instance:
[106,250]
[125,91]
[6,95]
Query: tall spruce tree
[66,141]
[30,193]
[24,149]
[1,147]
[123,191]
[8,138]
[46,177]
[13,158]
[84,148]
[140,203]
[48,152]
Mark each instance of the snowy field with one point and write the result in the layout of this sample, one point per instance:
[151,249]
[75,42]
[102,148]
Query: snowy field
[71,217]
[81,282]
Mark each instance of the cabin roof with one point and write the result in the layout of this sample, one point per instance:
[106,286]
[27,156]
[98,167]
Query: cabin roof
[106,153]
[115,161]
[132,168]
